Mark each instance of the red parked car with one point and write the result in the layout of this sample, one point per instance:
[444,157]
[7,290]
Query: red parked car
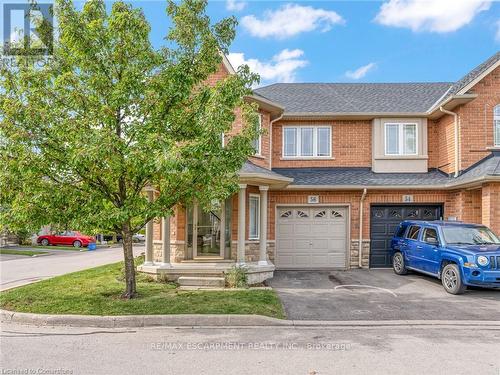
[68,238]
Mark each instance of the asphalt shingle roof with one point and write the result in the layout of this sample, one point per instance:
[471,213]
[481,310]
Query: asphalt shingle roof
[337,176]
[355,97]
[474,73]
[360,176]
[313,98]
[487,167]
[250,167]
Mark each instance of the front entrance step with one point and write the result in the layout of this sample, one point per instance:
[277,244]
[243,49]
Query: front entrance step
[207,260]
[199,281]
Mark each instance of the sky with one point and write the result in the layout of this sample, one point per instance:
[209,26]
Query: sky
[353,41]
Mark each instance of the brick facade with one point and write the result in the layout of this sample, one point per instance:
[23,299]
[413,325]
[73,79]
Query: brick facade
[352,147]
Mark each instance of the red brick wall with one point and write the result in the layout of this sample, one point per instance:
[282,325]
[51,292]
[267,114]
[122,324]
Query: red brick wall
[476,120]
[490,200]
[351,145]
[443,148]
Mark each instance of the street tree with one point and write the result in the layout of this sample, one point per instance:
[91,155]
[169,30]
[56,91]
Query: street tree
[85,131]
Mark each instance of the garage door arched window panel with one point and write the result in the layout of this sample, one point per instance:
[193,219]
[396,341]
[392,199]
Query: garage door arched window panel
[396,214]
[336,214]
[412,214]
[285,214]
[320,214]
[302,214]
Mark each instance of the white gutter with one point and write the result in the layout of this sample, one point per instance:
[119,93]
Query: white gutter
[360,245]
[271,139]
[457,146]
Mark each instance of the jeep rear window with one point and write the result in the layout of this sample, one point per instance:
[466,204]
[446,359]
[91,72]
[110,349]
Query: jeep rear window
[413,232]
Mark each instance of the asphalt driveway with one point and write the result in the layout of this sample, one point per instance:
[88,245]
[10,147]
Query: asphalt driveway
[378,295]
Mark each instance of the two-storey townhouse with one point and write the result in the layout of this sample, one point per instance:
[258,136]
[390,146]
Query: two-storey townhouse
[338,166]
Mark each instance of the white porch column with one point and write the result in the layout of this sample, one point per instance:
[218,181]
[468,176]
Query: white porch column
[148,261]
[165,232]
[195,230]
[240,259]
[263,225]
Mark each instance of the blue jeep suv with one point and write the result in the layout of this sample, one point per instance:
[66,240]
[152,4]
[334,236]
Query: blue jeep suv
[457,253]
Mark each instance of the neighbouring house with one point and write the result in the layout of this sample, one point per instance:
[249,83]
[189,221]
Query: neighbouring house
[338,167]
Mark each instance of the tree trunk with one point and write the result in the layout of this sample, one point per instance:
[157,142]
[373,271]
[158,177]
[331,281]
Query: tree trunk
[130,286]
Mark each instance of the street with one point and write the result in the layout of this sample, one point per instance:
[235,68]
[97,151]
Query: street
[253,350]
[21,270]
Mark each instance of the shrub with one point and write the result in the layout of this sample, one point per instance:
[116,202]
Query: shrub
[236,277]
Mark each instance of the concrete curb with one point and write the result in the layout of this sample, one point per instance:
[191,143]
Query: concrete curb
[195,320]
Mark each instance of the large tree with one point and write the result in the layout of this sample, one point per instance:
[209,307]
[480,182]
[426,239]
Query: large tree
[85,132]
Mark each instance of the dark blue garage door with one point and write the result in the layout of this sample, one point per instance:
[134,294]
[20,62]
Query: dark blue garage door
[383,223]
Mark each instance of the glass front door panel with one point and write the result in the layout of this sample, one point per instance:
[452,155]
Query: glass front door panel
[209,229]
[209,232]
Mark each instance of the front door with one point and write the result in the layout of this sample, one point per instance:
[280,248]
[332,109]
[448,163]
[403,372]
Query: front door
[207,228]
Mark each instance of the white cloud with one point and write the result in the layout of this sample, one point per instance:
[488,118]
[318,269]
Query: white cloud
[281,68]
[290,20]
[235,6]
[360,72]
[497,35]
[439,16]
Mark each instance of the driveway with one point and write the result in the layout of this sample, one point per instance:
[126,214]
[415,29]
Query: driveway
[378,295]
[20,270]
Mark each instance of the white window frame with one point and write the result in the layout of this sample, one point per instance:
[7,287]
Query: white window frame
[258,149]
[496,122]
[401,138]
[250,198]
[298,142]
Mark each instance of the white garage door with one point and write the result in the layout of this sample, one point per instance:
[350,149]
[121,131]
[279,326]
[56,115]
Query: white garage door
[311,237]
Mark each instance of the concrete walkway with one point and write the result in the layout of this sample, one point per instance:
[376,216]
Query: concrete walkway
[23,270]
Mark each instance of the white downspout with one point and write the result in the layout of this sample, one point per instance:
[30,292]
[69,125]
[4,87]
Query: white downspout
[271,139]
[457,146]
[360,245]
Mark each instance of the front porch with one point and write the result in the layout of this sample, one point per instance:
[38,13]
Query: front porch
[198,246]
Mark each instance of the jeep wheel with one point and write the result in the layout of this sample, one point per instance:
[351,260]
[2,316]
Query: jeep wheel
[452,279]
[398,264]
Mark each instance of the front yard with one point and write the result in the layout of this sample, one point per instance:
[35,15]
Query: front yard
[97,291]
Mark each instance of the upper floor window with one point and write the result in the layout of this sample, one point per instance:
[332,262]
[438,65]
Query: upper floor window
[496,124]
[258,141]
[400,139]
[307,141]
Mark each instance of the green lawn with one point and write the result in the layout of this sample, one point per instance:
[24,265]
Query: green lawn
[97,292]
[22,252]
